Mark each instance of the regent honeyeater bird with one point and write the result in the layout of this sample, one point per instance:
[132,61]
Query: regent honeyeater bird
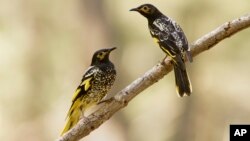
[95,84]
[172,40]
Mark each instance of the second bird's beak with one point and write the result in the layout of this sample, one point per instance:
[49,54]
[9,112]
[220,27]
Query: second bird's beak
[111,49]
[134,9]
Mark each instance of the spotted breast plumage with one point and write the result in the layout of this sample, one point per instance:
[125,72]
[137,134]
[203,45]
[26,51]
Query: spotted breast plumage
[95,84]
[172,40]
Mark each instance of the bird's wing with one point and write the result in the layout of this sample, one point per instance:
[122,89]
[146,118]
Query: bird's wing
[84,86]
[74,112]
[181,41]
[170,34]
[181,37]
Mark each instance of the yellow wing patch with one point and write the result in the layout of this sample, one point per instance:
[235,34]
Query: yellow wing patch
[86,83]
[156,40]
[169,54]
[76,94]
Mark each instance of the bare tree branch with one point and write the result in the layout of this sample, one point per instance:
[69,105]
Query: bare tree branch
[121,99]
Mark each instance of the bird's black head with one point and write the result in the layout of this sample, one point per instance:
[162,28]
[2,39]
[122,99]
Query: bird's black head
[101,56]
[147,10]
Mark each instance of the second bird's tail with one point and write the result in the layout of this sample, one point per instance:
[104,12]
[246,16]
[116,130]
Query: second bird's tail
[183,84]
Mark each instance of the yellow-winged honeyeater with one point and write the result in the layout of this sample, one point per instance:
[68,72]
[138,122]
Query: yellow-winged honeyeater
[172,40]
[95,84]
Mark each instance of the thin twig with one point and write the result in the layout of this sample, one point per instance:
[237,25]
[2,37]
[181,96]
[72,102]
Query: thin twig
[121,99]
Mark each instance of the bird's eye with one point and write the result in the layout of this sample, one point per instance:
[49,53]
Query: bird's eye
[145,8]
[101,55]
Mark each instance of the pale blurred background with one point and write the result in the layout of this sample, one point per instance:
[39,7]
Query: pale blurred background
[46,45]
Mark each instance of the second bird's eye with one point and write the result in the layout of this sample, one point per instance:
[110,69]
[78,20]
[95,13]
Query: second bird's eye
[145,8]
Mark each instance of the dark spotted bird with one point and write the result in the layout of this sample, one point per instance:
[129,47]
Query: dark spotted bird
[172,40]
[95,84]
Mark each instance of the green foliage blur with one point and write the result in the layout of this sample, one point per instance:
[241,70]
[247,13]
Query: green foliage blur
[46,45]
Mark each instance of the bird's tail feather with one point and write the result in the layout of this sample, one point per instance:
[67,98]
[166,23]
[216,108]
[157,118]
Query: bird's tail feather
[74,115]
[183,84]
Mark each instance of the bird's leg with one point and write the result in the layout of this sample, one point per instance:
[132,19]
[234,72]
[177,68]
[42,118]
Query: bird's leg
[172,59]
[164,58]
[84,118]
[105,100]
[82,114]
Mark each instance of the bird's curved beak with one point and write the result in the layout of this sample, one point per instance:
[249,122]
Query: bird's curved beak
[111,49]
[134,9]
